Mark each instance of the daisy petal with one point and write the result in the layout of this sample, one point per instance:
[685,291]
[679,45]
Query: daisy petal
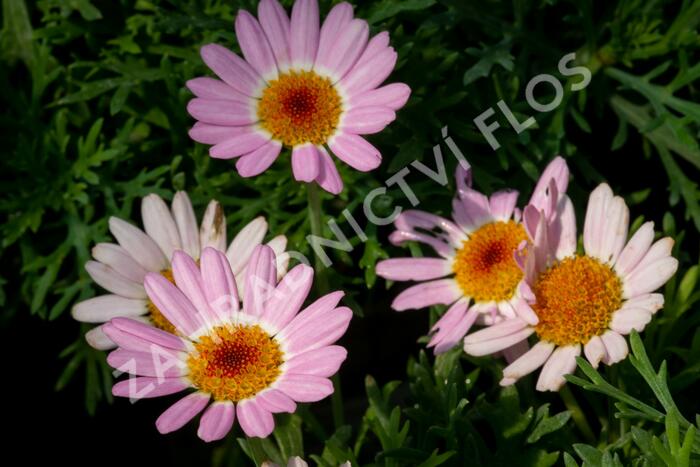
[220,112]
[254,420]
[216,421]
[595,351]
[615,347]
[328,177]
[143,387]
[254,45]
[105,307]
[305,388]
[392,96]
[528,362]
[112,281]
[324,361]
[305,162]
[275,22]
[214,134]
[355,151]
[442,291]
[258,161]
[289,295]
[336,20]
[212,232]
[140,246]
[635,249]
[211,88]
[160,225]
[239,145]
[627,319]
[186,221]
[275,401]
[561,362]
[413,269]
[245,241]
[231,68]
[648,278]
[304,33]
[366,120]
[181,412]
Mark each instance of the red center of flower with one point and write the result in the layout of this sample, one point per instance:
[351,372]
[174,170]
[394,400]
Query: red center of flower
[300,107]
[484,267]
[235,362]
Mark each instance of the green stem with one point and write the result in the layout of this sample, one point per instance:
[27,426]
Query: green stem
[315,219]
[577,414]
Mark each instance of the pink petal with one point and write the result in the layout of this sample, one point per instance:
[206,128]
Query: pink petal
[595,351]
[261,278]
[497,337]
[304,33]
[355,151]
[181,412]
[328,177]
[186,222]
[648,278]
[562,362]
[276,401]
[258,161]
[105,307]
[563,230]
[147,363]
[173,304]
[556,170]
[452,326]
[239,145]
[189,280]
[218,112]
[393,96]
[324,361]
[231,68]
[335,22]
[305,162]
[528,362]
[627,319]
[595,219]
[219,284]
[216,421]
[350,43]
[472,209]
[305,388]
[255,420]
[215,134]
[366,120]
[143,387]
[315,327]
[369,74]
[210,88]
[120,260]
[254,45]
[414,220]
[635,249]
[275,22]
[148,333]
[441,291]
[241,248]
[614,230]
[414,269]
[98,340]
[159,224]
[112,281]
[140,246]
[286,300]
[502,204]
[652,302]
[615,347]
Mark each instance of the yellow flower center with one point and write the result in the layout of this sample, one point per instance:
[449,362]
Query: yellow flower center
[300,107]
[235,362]
[155,316]
[576,298]
[484,267]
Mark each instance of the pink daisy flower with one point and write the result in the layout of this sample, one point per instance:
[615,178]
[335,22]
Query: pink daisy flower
[583,301]
[476,251]
[302,85]
[120,268]
[245,361]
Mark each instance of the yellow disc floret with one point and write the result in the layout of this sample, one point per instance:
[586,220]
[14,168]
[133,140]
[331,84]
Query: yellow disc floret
[484,267]
[235,362]
[576,298]
[155,316]
[300,107]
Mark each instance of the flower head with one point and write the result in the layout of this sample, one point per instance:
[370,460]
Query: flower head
[583,301]
[244,357]
[477,273]
[120,268]
[302,85]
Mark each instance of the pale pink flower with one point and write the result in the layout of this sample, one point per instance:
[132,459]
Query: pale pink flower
[240,357]
[303,85]
[297,461]
[583,302]
[476,274]
[120,268]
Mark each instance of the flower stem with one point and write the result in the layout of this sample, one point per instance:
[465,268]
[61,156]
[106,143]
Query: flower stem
[577,414]
[315,219]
